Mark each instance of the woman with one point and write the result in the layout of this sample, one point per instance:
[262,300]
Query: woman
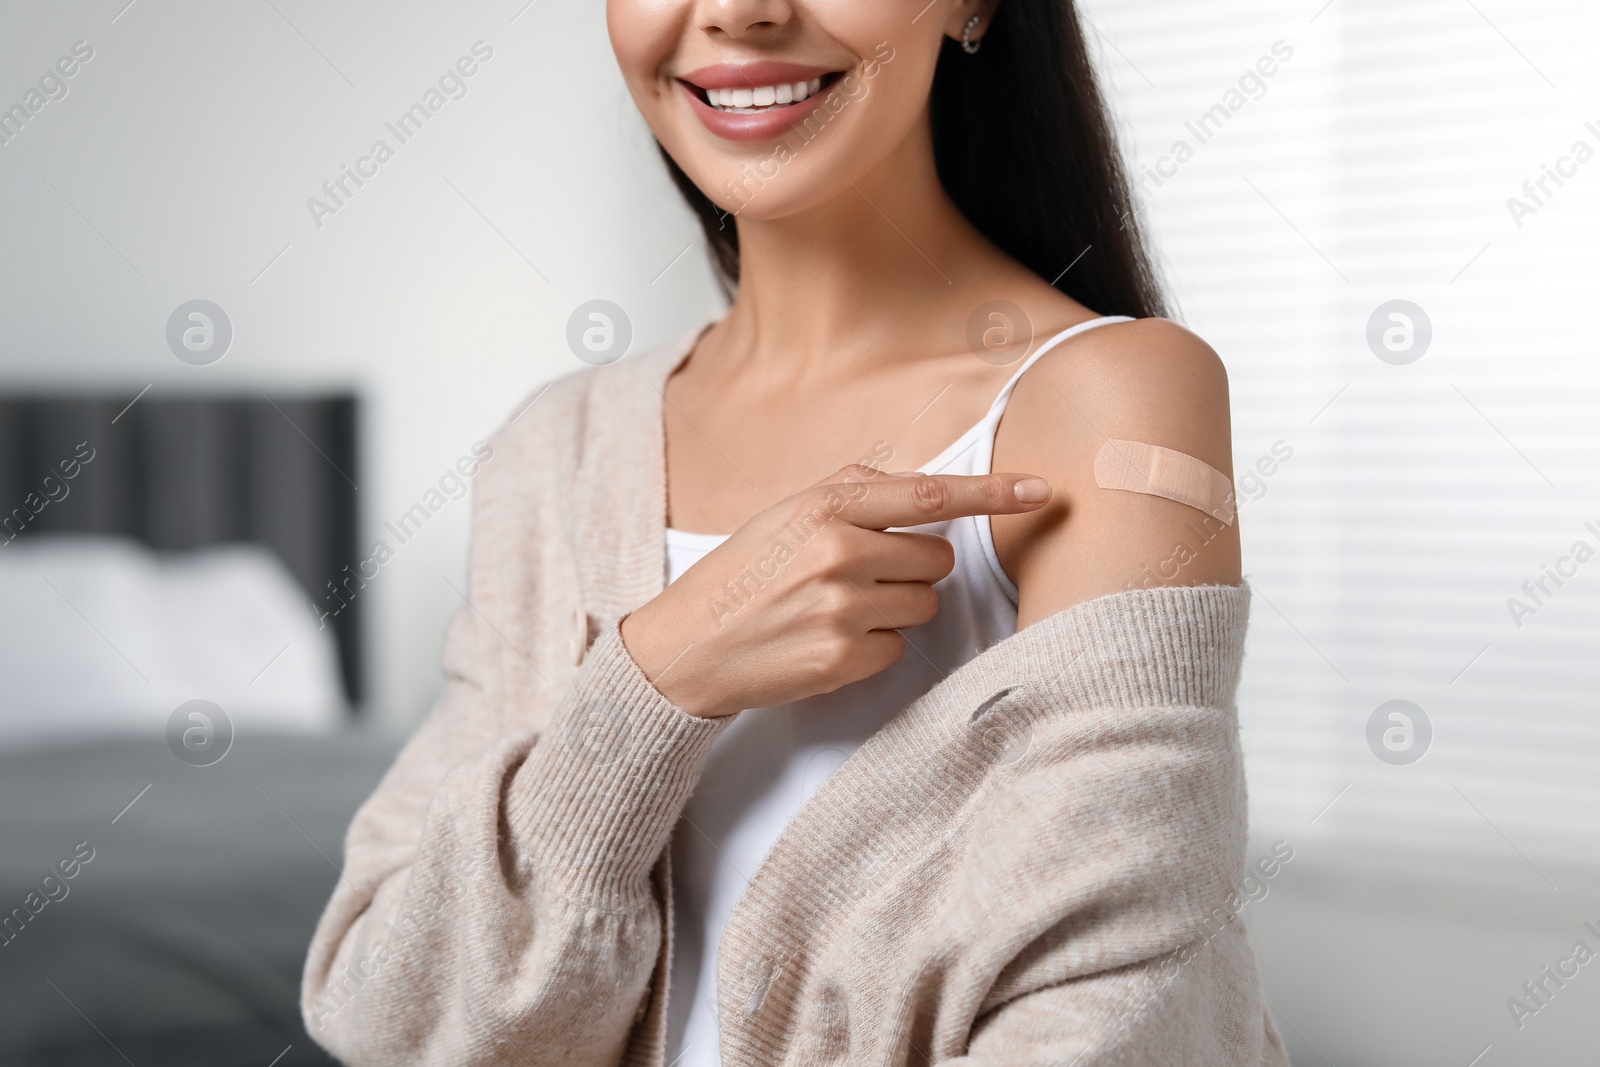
[921,762]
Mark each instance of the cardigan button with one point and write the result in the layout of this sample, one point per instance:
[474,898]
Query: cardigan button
[580,635]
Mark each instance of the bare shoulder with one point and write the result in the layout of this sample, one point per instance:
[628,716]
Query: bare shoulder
[1149,373]
[1149,380]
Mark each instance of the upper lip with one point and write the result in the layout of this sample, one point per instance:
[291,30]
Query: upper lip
[752,75]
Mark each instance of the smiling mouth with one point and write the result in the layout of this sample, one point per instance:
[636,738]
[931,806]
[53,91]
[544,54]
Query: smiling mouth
[760,99]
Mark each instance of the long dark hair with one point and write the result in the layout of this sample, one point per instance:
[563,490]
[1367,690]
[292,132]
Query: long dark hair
[1024,145]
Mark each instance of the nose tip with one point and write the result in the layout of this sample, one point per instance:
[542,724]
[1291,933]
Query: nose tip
[741,18]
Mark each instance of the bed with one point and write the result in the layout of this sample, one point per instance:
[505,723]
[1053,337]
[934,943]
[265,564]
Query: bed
[180,940]
[179,755]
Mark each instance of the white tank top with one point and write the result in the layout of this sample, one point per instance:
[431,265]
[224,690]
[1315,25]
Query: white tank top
[764,766]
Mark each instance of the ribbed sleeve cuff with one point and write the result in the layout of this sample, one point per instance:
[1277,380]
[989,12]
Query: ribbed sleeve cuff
[1139,648]
[596,800]
[1179,645]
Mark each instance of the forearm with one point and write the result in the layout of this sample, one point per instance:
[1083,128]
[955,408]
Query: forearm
[521,917]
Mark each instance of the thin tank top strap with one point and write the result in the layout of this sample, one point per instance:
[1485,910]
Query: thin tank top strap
[978,441]
[1071,331]
[981,457]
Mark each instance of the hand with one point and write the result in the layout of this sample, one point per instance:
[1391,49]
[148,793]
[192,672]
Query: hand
[809,594]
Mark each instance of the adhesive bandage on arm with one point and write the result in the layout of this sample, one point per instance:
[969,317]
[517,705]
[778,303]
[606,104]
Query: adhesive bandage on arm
[1143,468]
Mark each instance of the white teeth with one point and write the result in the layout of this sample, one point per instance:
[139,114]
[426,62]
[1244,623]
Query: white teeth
[748,101]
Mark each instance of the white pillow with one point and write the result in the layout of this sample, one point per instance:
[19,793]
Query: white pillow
[100,634]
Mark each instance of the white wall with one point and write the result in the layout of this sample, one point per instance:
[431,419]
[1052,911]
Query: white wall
[190,144]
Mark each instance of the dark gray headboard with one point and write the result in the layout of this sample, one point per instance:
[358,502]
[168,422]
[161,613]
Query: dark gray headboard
[181,472]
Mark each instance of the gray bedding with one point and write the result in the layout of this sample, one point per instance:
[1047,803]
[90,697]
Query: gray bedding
[179,939]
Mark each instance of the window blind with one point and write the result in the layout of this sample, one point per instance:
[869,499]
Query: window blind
[1396,152]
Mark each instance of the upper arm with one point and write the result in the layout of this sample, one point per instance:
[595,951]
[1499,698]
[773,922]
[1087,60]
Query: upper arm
[1149,380]
[1196,1006]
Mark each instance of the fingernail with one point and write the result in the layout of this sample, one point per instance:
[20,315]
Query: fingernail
[1031,491]
[905,474]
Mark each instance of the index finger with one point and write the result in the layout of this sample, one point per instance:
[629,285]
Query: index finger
[891,501]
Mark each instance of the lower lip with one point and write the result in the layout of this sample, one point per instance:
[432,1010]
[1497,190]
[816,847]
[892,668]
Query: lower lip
[765,126]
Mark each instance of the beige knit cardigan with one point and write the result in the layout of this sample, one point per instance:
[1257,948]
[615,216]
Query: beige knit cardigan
[1031,864]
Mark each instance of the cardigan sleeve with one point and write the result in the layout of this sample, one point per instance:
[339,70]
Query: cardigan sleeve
[1120,843]
[496,905]
[1184,1010]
